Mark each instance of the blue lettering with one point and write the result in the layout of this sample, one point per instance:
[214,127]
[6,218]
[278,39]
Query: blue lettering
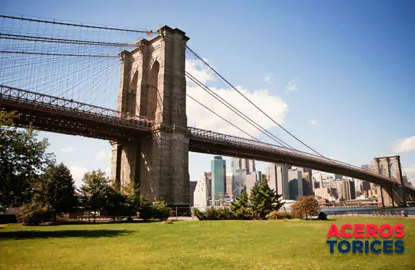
[372,246]
[347,246]
[357,245]
[332,243]
[399,248]
[388,246]
[366,246]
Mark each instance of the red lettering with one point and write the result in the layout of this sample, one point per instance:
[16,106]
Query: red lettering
[385,226]
[359,231]
[343,228]
[371,230]
[399,233]
[333,231]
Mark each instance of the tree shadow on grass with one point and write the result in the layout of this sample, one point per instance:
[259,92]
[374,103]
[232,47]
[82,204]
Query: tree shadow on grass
[20,235]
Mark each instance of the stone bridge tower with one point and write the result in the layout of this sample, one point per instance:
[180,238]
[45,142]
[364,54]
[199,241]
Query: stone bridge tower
[393,194]
[153,85]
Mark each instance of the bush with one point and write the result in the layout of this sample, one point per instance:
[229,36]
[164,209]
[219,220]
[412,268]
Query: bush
[146,209]
[244,214]
[279,215]
[33,214]
[199,214]
[161,211]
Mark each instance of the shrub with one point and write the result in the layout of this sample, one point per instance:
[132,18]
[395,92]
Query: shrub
[33,214]
[199,214]
[161,211]
[146,209]
[279,215]
[244,214]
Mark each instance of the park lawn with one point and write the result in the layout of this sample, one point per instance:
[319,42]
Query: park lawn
[280,244]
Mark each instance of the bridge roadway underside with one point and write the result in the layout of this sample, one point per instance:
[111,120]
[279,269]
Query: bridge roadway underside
[73,123]
[201,145]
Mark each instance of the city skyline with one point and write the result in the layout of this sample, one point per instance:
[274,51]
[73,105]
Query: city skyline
[348,90]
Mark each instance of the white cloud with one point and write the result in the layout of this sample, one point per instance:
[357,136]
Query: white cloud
[198,116]
[103,155]
[313,123]
[77,174]
[291,86]
[68,149]
[405,145]
[200,71]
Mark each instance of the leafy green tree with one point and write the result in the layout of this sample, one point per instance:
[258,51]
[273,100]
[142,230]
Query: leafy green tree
[59,189]
[133,198]
[305,206]
[94,191]
[263,199]
[23,158]
[116,203]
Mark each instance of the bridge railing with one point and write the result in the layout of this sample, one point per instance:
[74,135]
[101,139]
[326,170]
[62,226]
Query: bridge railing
[20,96]
[255,145]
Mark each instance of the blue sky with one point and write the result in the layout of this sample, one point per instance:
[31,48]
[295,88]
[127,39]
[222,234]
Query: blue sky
[344,71]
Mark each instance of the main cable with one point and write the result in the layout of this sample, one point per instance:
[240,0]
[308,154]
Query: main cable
[76,25]
[231,85]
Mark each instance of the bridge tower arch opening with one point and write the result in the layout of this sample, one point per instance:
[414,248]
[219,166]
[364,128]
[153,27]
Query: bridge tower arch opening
[156,163]
[393,194]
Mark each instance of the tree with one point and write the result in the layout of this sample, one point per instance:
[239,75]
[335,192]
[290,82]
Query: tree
[116,203]
[133,198]
[23,159]
[59,189]
[93,193]
[263,199]
[305,206]
[241,202]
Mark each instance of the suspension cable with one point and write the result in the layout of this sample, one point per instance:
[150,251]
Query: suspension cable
[227,121]
[236,111]
[76,25]
[231,85]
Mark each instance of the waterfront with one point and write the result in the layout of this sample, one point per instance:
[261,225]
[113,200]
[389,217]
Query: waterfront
[369,211]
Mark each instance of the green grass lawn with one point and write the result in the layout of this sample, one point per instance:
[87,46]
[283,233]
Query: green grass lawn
[290,244]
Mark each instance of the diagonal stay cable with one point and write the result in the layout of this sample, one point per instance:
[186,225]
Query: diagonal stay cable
[236,111]
[218,115]
[233,87]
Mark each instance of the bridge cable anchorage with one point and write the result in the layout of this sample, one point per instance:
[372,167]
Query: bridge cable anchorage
[78,25]
[237,112]
[233,87]
[218,115]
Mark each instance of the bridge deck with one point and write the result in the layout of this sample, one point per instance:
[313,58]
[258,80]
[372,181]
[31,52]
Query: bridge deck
[65,116]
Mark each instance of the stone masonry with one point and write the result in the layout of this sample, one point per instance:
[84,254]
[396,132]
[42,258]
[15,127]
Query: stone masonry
[153,85]
[392,194]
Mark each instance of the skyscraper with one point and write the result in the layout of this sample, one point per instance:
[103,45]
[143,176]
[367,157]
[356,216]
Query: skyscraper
[243,164]
[218,168]
[295,183]
[278,179]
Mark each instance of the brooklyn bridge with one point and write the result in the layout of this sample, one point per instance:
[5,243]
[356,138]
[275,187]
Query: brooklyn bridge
[58,83]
